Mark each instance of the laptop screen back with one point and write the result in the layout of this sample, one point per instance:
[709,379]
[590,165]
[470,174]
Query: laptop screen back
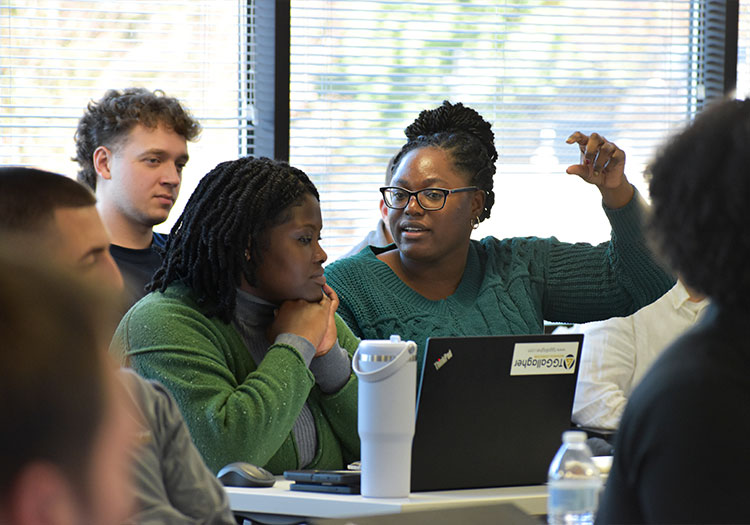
[491,410]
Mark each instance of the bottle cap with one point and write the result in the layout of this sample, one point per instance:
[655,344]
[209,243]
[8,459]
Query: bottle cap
[574,436]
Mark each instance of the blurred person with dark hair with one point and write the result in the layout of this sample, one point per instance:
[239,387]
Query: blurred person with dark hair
[49,217]
[131,146]
[681,453]
[67,432]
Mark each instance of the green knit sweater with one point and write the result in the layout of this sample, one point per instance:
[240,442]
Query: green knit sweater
[509,286]
[235,410]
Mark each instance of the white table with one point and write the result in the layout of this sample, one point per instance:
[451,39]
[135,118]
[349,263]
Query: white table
[280,500]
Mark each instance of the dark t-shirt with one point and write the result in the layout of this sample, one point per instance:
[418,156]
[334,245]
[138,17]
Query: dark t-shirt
[138,266]
[682,453]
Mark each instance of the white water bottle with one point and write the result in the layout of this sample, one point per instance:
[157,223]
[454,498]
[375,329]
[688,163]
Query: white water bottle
[573,484]
[387,372]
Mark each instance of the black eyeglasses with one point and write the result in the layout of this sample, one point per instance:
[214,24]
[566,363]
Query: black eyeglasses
[430,199]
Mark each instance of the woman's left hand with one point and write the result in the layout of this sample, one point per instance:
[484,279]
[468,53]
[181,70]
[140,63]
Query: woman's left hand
[330,334]
[603,165]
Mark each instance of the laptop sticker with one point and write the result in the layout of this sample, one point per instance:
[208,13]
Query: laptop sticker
[549,358]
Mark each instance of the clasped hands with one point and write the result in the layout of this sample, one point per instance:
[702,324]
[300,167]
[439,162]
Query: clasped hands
[315,321]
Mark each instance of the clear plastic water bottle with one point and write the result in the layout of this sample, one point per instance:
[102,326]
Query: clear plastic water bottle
[574,483]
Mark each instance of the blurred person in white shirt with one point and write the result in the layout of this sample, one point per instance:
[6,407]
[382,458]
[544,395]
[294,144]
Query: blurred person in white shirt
[617,352]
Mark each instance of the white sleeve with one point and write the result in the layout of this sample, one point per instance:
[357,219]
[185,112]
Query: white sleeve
[605,373]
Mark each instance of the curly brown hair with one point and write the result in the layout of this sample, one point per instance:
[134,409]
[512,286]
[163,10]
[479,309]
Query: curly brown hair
[109,120]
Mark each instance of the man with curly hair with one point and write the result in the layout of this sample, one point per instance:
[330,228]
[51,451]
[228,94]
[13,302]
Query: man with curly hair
[131,147]
[681,453]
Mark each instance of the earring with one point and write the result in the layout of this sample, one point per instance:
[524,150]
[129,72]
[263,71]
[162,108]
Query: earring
[475,223]
[247,254]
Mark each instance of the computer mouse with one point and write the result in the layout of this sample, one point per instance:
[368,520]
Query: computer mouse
[242,474]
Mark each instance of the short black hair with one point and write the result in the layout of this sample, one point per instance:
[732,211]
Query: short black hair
[29,198]
[699,191]
[236,202]
[467,139]
[109,120]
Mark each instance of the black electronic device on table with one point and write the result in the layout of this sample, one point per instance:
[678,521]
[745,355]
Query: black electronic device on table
[335,481]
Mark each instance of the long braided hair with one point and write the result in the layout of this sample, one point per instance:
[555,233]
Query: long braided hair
[467,139]
[236,202]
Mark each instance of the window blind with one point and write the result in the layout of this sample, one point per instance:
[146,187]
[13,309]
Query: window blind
[743,50]
[56,56]
[538,70]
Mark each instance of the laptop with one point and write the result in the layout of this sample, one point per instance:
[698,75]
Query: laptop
[491,410]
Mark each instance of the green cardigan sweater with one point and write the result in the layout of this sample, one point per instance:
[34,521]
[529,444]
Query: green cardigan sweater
[509,286]
[237,410]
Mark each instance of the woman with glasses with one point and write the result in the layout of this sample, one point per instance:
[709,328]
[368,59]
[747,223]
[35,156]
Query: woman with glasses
[436,281]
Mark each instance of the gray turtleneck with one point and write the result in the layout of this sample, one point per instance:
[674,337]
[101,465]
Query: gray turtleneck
[252,317]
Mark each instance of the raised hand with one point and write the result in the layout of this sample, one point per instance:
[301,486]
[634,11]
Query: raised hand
[603,165]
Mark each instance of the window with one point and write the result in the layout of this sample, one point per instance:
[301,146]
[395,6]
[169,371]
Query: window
[743,51]
[359,72]
[59,55]
[537,69]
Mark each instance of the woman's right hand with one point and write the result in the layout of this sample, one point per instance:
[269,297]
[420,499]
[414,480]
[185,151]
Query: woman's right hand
[603,165]
[303,318]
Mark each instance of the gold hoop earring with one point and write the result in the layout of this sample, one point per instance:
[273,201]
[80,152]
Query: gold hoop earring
[475,223]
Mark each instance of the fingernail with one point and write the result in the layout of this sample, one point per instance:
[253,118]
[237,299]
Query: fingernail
[596,173]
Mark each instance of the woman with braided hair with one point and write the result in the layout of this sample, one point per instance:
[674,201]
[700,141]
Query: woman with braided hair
[436,281]
[242,328]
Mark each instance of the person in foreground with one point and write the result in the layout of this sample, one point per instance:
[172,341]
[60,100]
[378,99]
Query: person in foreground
[49,217]
[131,146]
[242,328]
[437,281]
[681,453]
[67,430]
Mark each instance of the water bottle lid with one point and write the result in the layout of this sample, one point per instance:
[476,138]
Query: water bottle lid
[574,436]
[386,358]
